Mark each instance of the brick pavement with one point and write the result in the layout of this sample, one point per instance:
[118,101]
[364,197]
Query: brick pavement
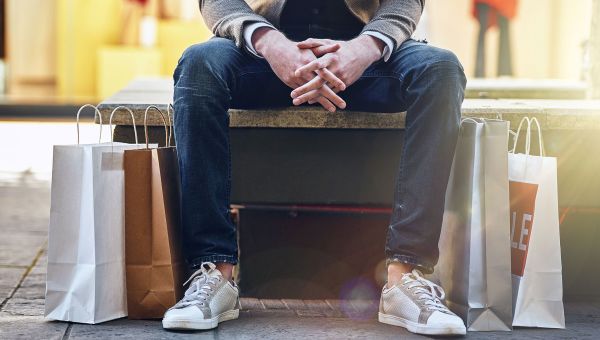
[24,208]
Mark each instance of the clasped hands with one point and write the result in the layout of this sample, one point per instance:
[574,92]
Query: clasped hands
[317,69]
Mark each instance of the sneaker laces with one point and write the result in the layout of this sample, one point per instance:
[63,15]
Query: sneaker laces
[203,282]
[426,291]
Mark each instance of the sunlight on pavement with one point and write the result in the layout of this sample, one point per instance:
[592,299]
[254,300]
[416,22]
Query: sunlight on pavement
[27,146]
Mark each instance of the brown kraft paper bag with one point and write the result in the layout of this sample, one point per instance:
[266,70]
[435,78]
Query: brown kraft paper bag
[155,269]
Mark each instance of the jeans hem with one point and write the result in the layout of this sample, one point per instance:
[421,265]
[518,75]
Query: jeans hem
[425,267]
[197,262]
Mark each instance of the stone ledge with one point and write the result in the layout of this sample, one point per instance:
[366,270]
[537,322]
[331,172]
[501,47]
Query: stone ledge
[552,114]
[525,88]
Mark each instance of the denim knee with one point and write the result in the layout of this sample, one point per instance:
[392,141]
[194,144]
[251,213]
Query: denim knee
[445,67]
[443,78]
[435,65]
[210,59]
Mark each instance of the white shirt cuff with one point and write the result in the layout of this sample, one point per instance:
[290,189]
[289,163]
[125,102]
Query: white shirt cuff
[389,44]
[248,31]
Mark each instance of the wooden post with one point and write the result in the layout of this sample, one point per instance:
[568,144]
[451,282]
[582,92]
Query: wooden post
[595,50]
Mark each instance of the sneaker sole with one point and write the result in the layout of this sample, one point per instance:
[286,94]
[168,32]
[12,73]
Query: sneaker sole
[187,324]
[419,328]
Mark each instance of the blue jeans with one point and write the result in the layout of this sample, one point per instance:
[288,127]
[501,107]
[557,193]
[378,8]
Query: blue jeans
[214,76]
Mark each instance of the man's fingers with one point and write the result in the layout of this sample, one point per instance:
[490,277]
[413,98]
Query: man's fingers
[324,92]
[326,104]
[314,100]
[322,50]
[332,96]
[310,43]
[306,97]
[332,80]
[313,84]
[314,65]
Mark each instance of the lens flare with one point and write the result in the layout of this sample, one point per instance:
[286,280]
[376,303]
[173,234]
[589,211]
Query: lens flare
[359,299]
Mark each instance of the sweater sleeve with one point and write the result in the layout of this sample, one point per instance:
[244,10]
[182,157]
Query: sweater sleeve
[396,19]
[227,18]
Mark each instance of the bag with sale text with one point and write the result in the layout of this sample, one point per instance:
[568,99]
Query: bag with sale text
[535,240]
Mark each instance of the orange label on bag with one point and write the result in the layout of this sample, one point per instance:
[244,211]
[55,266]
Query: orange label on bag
[522,206]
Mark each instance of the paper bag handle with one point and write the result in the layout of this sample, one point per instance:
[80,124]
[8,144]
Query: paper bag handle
[132,119]
[477,120]
[528,136]
[96,113]
[472,120]
[162,115]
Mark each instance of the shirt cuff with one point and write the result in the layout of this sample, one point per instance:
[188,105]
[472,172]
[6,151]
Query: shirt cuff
[389,44]
[248,31]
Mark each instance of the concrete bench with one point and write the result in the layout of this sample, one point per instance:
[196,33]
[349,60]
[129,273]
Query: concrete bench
[300,142]
[485,88]
[540,98]
[306,156]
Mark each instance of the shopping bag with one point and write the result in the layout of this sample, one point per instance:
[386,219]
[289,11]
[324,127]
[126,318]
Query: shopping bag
[535,238]
[155,270]
[85,273]
[474,265]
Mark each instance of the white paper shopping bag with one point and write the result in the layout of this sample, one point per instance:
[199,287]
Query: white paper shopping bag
[535,239]
[85,275]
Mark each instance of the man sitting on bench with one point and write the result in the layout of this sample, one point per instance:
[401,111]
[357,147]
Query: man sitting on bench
[340,54]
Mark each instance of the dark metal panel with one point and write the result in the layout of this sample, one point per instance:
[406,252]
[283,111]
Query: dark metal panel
[308,166]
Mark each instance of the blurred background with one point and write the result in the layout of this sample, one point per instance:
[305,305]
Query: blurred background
[75,51]
[56,55]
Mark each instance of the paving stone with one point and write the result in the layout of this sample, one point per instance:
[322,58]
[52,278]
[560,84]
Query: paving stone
[24,307]
[582,312]
[355,308]
[257,325]
[42,261]
[29,327]
[25,206]
[334,304]
[34,285]
[265,324]
[270,312]
[294,304]
[132,329]
[273,304]
[9,278]
[309,313]
[573,331]
[319,305]
[268,324]
[333,313]
[251,303]
[365,309]
[19,248]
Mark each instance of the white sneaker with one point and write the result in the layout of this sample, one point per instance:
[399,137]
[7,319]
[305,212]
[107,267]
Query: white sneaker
[416,304]
[209,300]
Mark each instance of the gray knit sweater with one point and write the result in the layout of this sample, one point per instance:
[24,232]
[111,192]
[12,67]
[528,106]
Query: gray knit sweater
[395,19]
